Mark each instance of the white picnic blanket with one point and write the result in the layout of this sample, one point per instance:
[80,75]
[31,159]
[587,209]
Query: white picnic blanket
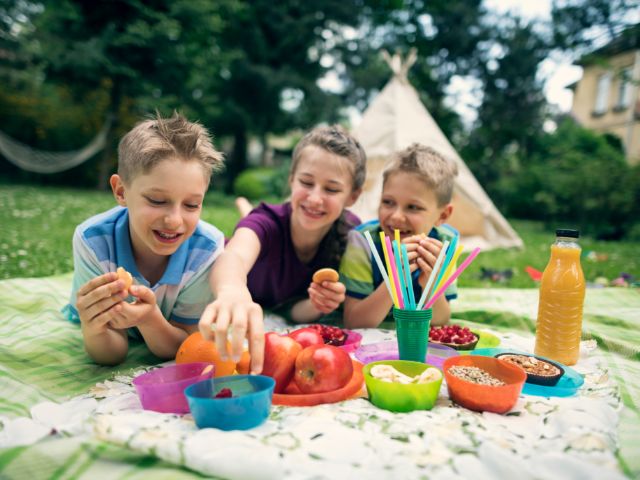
[540,438]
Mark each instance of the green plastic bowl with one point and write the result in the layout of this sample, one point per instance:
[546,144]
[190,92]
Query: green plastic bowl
[399,397]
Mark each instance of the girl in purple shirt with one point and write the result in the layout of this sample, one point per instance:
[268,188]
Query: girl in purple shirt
[276,248]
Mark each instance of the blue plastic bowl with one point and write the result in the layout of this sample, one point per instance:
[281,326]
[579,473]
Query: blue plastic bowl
[248,408]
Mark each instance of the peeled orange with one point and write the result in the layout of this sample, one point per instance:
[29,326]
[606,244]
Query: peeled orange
[197,349]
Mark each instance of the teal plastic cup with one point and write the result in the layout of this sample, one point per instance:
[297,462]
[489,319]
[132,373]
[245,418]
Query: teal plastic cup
[412,329]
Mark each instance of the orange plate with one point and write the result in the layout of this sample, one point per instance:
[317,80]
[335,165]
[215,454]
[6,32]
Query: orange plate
[293,397]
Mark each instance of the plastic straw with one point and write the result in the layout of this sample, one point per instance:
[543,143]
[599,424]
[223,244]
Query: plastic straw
[433,275]
[394,294]
[449,269]
[394,271]
[403,284]
[376,256]
[455,275]
[447,259]
[407,274]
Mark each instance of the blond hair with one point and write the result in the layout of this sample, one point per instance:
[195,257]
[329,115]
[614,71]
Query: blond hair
[154,140]
[428,165]
[335,139]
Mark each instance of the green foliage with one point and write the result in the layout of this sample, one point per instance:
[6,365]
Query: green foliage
[260,183]
[576,177]
[39,224]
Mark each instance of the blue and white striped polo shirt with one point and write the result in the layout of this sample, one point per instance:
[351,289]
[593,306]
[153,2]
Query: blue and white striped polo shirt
[101,244]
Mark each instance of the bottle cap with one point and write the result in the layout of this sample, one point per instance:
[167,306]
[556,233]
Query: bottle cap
[564,232]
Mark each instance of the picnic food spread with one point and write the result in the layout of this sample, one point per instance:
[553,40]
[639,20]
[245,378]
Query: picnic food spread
[325,274]
[454,336]
[538,370]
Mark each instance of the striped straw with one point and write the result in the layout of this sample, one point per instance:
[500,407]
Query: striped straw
[447,259]
[407,273]
[449,269]
[376,257]
[403,284]
[394,294]
[433,275]
[394,271]
[452,278]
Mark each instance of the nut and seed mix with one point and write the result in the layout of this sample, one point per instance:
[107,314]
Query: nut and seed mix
[475,375]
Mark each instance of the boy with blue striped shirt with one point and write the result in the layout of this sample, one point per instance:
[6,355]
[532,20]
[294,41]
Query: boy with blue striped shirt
[164,168]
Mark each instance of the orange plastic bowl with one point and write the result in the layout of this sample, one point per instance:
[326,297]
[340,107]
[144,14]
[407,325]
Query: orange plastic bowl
[497,399]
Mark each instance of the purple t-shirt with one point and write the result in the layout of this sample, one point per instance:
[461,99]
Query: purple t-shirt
[278,275]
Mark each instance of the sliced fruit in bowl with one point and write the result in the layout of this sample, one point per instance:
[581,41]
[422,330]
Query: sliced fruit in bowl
[454,336]
[330,334]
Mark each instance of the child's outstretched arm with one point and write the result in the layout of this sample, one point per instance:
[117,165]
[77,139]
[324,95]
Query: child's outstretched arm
[97,302]
[233,305]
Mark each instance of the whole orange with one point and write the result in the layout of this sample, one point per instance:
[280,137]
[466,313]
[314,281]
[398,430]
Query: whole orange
[197,349]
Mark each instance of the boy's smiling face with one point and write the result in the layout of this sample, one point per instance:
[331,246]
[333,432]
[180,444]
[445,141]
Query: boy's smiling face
[164,207]
[407,204]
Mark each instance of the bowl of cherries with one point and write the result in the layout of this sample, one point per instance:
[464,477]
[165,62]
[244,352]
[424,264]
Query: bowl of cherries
[454,336]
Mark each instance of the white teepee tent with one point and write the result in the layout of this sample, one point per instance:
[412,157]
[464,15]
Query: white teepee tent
[397,118]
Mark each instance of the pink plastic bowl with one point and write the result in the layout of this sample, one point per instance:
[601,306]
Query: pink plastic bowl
[162,389]
[353,341]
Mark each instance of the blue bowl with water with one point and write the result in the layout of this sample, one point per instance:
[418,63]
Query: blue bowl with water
[247,408]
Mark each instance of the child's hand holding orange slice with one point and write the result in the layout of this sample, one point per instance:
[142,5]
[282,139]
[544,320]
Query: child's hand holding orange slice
[125,277]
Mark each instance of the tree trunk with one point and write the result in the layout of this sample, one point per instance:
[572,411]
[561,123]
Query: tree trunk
[238,158]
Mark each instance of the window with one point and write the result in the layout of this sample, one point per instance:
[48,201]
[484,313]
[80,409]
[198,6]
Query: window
[624,89]
[602,94]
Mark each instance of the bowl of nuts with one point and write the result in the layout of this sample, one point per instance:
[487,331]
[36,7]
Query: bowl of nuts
[402,385]
[539,370]
[483,383]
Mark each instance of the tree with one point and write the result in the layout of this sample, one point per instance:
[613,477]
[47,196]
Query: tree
[277,59]
[444,33]
[581,25]
[513,106]
[141,54]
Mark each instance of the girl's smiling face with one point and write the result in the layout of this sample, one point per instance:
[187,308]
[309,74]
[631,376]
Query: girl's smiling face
[408,205]
[321,187]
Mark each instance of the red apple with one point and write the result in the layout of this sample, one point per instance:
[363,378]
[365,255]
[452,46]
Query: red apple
[307,337]
[322,368]
[280,352]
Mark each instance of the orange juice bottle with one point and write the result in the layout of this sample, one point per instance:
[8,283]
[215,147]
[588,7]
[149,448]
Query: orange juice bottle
[562,289]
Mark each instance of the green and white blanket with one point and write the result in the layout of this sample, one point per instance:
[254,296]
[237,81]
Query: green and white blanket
[63,417]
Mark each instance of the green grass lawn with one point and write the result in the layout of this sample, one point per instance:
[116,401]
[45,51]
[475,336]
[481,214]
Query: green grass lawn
[39,222]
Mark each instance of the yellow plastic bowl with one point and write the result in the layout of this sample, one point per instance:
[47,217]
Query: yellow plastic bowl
[400,397]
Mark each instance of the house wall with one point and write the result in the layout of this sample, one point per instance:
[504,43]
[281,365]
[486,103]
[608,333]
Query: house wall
[621,121]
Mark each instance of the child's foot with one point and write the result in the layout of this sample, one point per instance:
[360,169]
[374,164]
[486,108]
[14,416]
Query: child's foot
[244,206]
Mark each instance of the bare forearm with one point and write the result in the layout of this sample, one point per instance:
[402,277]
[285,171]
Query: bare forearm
[368,312]
[304,312]
[229,275]
[441,312]
[162,338]
[107,348]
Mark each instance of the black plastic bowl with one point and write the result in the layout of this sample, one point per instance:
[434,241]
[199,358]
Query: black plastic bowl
[546,380]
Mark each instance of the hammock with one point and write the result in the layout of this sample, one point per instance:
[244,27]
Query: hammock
[40,161]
